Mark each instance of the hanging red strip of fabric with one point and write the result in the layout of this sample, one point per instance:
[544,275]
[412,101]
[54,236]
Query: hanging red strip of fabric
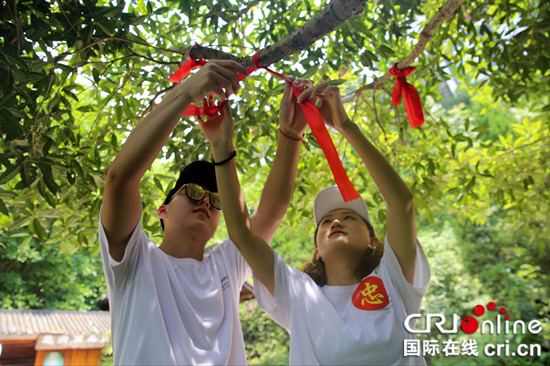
[413,105]
[311,112]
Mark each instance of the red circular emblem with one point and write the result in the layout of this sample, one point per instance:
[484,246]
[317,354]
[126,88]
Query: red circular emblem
[370,294]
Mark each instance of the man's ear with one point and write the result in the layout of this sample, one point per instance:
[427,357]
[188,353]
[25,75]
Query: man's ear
[162,212]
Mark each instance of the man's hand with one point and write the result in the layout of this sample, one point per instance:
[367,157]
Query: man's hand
[218,128]
[332,109]
[211,78]
[291,118]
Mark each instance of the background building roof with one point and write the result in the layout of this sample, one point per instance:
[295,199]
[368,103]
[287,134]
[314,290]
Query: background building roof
[56,328]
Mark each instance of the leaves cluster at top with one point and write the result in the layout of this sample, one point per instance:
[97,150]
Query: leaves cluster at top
[77,76]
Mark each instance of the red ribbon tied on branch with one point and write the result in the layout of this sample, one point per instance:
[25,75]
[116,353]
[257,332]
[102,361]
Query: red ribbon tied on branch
[311,112]
[185,69]
[413,106]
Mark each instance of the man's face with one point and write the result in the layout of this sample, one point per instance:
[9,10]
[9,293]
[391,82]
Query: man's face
[196,216]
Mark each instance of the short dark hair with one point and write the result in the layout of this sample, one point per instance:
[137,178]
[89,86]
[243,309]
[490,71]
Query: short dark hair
[200,172]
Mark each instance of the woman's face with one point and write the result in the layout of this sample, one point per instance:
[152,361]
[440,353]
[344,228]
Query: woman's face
[342,229]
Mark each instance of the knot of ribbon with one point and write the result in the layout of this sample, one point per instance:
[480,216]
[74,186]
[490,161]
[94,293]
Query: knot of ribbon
[311,112]
[413,105]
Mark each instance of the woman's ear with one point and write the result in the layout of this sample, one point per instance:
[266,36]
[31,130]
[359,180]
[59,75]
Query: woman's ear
[317,257]
[374,243]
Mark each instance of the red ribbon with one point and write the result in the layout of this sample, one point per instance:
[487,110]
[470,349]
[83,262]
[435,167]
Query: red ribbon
[184,70]
[413,106]
[195,110]
[313,117]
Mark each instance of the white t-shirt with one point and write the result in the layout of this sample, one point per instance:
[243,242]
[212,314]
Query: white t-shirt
[174,311]
[347,325]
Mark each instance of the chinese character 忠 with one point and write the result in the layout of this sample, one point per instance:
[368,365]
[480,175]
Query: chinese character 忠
[370,295]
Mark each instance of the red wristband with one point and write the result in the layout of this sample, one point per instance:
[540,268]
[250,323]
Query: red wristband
[292,138]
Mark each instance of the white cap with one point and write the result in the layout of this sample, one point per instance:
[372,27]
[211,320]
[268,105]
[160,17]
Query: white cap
[330,198]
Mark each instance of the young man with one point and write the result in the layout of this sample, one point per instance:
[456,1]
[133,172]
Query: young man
[173,305]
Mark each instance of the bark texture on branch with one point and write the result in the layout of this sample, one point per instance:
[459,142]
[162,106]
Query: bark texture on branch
[446,11]
[320,25]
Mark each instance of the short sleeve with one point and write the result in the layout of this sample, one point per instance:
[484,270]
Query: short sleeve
[410,294]
[119,274]
[234,262]
[278,306]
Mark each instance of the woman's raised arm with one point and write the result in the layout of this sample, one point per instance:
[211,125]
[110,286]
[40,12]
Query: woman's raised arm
[400,220]
[254,249]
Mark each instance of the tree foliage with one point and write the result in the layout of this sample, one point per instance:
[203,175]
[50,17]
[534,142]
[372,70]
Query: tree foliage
[36,276]
[78,75]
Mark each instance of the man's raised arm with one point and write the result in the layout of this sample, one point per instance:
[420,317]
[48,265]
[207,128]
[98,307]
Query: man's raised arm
[122,201]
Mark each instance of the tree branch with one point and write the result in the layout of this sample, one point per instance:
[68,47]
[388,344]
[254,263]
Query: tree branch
[445,12]
[149,58]
[320,25]
[17,28]
[523,146]
[244,11]
[373,109]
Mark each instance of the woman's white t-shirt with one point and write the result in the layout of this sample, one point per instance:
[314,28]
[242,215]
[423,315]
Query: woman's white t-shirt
[174,311]
[347,325]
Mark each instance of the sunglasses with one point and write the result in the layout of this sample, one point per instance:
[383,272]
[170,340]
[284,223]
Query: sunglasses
[197,193]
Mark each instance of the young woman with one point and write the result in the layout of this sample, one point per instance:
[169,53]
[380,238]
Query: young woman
[350,303]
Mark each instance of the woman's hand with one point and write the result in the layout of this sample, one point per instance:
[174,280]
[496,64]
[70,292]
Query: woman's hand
[218,128]
[211,78]
[291,118]
[332,109]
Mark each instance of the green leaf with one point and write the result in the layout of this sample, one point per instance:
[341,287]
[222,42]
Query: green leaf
[94,210]
[25,243]
[20,222]
[9,124]
[486,174]
[49,199]
[7,100]
[48,178]
[76,166]
[98,181]
[38,229]
[95,74]
[470,183]
[158,184]
[70,177]
[20,235]
[162,10]
[336,82]
[3,208]
[9,173]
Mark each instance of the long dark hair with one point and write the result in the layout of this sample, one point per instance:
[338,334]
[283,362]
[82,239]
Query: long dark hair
[317,271]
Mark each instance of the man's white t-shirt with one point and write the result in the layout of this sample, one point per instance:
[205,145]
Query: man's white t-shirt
[174,311]
[347,325]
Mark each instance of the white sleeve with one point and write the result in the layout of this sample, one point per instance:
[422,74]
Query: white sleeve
[236,266]
[119,274]
[279,306]
[410,294]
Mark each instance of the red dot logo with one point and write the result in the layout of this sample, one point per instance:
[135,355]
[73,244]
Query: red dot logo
[491,306]
[469,325]
[479,310]
[507,317]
